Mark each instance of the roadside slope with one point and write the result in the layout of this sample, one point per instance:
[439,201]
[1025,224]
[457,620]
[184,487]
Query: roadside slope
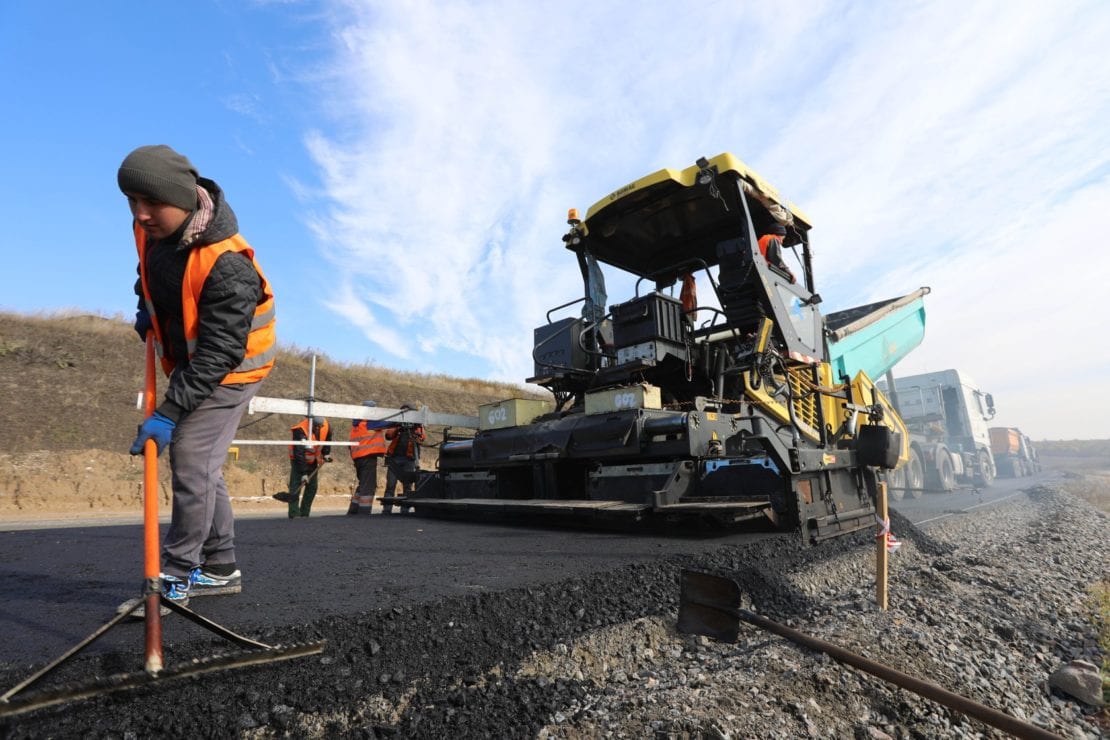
[68,389]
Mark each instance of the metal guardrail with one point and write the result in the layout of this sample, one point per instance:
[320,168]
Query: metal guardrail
[358,411]
[311,407]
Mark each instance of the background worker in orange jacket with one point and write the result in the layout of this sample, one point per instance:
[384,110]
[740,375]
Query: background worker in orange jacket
[771,247]
[305,462]
[371,447]
[402,457]
[203,295]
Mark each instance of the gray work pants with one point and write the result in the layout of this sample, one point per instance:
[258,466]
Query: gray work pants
[202,529]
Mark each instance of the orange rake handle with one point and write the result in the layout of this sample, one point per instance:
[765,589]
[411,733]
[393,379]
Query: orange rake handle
[151,560]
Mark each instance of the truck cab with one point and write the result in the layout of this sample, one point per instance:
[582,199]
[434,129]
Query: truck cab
[947,414]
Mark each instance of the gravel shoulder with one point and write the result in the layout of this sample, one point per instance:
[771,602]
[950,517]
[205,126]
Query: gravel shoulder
[987,604]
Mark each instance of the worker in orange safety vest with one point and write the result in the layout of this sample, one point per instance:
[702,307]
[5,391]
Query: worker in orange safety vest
[305,461]
[770,246]
[370,448]
[209,311]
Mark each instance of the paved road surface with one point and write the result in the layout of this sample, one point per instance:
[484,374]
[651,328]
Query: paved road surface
[932,507]
[58,585]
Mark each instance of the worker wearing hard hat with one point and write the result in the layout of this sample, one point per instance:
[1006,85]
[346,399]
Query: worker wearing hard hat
[305,461]
[369,436]
[203,297]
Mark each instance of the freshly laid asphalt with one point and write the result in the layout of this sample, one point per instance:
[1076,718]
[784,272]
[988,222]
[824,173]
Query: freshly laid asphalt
[59,585]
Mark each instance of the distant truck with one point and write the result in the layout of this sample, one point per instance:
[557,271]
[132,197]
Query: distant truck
[946,414]
[1014,454]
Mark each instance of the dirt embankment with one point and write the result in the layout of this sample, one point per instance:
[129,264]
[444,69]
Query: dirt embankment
[94,484]
[69,385]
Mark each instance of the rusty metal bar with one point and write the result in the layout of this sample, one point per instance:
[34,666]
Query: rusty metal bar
[710,605]
[929,690]
[47,669]
[124,681]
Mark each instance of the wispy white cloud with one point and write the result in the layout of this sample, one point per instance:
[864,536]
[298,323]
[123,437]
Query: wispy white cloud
[355,310]
[245,104]
[973,159]
[932,143]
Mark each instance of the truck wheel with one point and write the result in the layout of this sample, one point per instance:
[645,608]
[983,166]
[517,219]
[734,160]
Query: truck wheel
[985,476]
[947,475]
[914,474]
[942,479]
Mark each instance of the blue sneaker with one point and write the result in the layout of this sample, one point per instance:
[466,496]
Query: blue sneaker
[205,583]
[176,589]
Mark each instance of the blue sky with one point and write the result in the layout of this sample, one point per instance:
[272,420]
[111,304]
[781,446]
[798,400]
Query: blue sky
[403,169]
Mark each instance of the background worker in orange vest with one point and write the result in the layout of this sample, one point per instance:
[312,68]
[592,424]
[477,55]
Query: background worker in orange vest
[305,462]
[771,246]
[211,311]
[402,459]
[370,436]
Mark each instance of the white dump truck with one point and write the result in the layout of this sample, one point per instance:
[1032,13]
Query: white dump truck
[947,415]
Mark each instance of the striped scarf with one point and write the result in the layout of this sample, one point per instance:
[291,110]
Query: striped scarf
[202,217]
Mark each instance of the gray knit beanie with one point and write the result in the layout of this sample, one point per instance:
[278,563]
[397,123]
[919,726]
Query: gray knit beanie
[161,174]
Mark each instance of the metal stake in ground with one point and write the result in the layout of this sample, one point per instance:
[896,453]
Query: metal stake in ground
[880,547]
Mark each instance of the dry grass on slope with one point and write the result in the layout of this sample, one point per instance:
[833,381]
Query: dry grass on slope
[70,382]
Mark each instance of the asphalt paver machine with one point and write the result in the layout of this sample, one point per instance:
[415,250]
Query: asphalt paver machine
[665,408]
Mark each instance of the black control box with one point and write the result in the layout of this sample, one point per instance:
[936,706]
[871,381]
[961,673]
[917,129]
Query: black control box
[653,317]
